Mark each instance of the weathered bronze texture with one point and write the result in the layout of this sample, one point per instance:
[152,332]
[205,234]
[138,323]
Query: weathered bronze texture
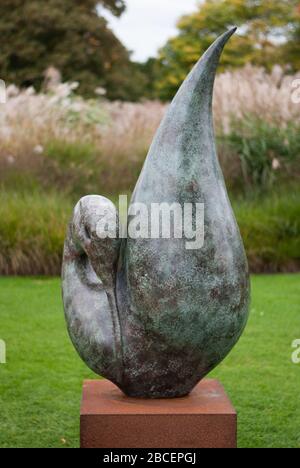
[148,314]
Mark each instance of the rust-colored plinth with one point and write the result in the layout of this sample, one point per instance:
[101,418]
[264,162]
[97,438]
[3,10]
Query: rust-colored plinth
[109,419]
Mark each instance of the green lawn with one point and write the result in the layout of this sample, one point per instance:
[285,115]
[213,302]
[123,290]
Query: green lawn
[40,386]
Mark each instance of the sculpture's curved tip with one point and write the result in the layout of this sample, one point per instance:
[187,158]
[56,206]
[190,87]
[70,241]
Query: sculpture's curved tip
[197,90]
[233,29]
[227,34]
[218,45]
[191,108]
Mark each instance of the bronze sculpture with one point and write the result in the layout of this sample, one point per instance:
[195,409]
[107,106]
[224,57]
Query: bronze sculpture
[148,314]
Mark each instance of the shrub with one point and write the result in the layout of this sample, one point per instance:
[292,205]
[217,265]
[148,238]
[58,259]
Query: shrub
[57,147]
[64,142]
[270,228]
[32,231]
[265,152]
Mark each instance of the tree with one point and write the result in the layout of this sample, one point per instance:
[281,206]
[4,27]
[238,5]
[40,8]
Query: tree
[291,50]
[150,71]
[264,29]
[69,35]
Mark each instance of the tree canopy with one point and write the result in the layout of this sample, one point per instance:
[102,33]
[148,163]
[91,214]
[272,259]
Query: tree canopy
[71,36]
[269,32]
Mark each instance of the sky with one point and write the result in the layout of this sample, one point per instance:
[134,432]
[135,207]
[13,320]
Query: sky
[147,24]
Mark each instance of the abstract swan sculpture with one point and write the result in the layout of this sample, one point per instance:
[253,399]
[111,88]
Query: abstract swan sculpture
[148,314]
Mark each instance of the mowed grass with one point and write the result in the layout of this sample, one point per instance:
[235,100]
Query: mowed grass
[40,386]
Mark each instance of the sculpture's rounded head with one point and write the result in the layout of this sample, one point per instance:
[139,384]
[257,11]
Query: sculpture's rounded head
[95,229]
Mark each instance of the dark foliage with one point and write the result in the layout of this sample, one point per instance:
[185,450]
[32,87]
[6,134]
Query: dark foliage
[71,36]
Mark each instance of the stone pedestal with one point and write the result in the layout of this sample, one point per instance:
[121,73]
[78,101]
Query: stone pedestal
[109,419]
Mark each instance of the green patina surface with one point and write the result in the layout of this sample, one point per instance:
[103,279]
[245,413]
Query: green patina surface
[163,317]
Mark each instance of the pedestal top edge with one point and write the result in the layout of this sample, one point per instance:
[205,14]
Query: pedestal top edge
[101,397]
